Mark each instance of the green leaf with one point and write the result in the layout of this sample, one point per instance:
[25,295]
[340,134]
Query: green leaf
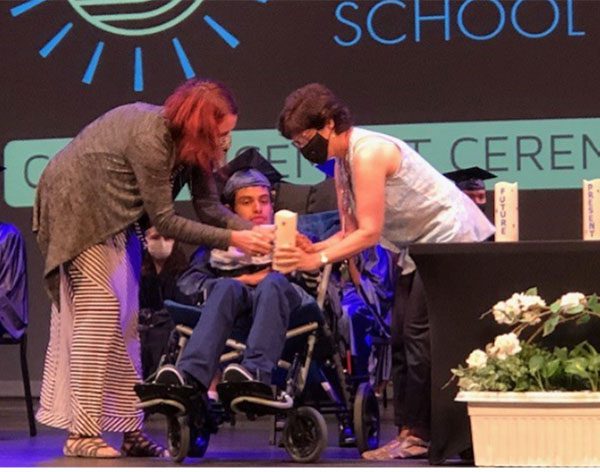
[594,363]
[457,372]
[555,307]
[583,319]
[594,304]
[536,363]
[577,367]
[589,348]
[551,368]
[560,353]
[550,324]
[532,291]
[575,310]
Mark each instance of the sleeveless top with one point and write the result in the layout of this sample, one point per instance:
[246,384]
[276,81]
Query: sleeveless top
[421,205]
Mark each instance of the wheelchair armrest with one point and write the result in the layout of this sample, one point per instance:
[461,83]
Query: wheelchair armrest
[324,283]
[187,315]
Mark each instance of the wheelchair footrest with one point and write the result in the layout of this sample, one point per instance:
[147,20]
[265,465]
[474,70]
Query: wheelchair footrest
[166,399]
[252,398]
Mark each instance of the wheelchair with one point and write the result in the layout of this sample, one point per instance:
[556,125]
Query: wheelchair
[314,380]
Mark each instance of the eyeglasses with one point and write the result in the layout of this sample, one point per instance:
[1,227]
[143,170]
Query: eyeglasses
[303,138]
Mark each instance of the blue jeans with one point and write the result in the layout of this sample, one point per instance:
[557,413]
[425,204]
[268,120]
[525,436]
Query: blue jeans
[272,305]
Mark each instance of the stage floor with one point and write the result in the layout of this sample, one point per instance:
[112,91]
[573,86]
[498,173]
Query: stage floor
[245,444]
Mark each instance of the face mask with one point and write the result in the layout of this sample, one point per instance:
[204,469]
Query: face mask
[225,142]
[482,206]
[160,249]
[316,149]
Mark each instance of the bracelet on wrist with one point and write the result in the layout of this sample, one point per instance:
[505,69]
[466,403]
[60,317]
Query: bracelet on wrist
[323,258]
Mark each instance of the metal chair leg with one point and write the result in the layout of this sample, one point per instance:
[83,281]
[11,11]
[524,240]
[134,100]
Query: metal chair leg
[27,386]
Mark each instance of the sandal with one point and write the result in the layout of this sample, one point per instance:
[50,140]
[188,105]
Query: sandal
[89,446]
[413,447]
[137,444]
[389,451]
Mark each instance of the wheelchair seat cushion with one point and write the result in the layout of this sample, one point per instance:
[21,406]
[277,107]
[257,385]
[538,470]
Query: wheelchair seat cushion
[187,315]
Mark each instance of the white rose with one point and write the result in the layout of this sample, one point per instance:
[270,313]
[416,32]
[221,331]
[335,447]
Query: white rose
[513,305]
[572,302]
[506,345]
[532,317]
[529,302]
[499,312]
[477,359]
[491,350]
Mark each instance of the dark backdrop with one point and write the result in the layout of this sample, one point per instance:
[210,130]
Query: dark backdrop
[539,60]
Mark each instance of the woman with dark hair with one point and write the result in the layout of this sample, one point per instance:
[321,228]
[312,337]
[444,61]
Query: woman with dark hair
[388,194]
[95,198]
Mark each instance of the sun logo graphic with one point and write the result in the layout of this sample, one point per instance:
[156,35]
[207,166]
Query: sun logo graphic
[134,18]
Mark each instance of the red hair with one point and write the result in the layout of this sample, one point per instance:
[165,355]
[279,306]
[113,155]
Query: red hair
[194,111]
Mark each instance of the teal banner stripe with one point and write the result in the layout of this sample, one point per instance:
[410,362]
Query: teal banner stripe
[538,154]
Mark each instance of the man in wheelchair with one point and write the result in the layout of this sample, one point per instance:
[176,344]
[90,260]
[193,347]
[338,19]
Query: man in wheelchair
[238,296]
[240,293]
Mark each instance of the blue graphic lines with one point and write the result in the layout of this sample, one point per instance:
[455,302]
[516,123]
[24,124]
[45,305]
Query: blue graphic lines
[183,59]
[23,7]
[117,11]
[222,32]
[88,77]
[138,73]
[50,45]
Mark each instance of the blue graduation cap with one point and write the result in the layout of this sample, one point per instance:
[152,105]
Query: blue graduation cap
[249,159]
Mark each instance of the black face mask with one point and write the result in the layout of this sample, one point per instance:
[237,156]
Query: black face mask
[482,206]
[316,149]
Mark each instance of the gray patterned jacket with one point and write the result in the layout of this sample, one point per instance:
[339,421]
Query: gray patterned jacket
[117,169]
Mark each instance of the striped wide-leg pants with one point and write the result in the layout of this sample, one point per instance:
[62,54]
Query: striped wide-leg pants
[93,358]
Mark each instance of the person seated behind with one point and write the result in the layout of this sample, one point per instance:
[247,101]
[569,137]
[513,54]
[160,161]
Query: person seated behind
[14,306]
[471,182]
[366,293]
[163,263]
[239,287]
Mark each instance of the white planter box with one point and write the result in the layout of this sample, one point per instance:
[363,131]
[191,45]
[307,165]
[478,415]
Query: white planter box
[534,428]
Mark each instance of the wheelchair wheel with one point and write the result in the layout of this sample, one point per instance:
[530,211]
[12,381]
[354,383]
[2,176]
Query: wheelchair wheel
[183,440]
[366,418]
[199,444]
[178,437]
[305,435]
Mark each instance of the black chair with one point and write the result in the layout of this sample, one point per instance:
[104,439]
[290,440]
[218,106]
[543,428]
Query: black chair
[6,340]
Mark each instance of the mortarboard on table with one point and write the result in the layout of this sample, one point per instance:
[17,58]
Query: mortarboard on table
[471,178]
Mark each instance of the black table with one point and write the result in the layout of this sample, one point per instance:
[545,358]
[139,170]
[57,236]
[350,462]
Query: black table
[464,280]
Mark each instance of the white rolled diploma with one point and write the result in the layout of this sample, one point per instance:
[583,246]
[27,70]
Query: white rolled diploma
[506,211]
[591,210]
[286,223]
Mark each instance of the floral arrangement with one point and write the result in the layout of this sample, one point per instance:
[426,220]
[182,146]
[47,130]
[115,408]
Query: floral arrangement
[514,362]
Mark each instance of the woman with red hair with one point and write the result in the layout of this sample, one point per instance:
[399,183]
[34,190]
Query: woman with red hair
[95,198]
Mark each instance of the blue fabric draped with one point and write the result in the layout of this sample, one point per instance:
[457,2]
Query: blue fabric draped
[14,308]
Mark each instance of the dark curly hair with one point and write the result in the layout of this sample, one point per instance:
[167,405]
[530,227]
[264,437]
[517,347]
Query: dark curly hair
[312,106]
